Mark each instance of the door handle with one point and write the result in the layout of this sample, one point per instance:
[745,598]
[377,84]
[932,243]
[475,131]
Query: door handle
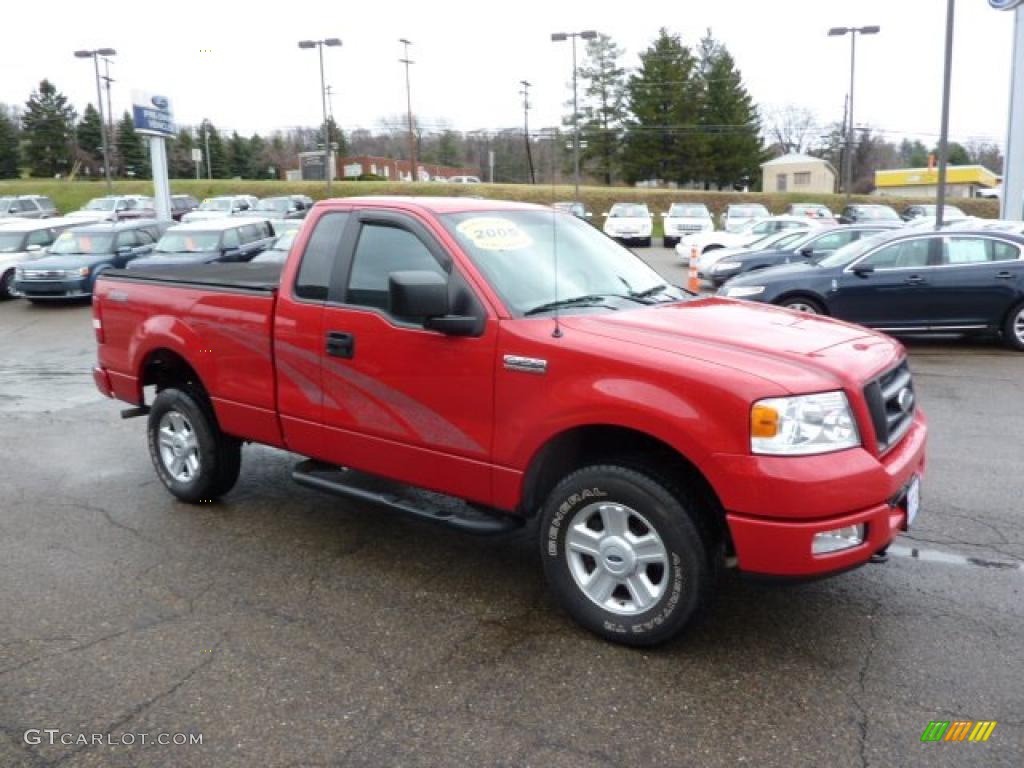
[341,344]
[1004,275]
[914,280]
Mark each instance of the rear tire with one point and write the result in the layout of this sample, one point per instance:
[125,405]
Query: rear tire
[1013,328]
[623,554]
[803,304]
[194,460]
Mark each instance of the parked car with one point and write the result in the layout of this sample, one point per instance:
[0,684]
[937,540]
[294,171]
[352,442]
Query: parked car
[27,207]
[24,240]
[115,208]
[682,219]
[813,210]
[283,207]
[577,209]
[464,180]
[962,281]
[204,242]
[737,215]
[912,212]
[629,223]
[218,208]
[812,245]
[649,437]
[949,220]
[182,204]
[707,260]
[860,213]
[751,231]
[80,254]
[278,250]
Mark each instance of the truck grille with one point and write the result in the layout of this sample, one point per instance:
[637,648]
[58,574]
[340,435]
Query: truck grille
[892,402]
[42,274]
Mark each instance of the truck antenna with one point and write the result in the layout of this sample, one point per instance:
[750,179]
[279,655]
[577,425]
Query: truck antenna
[557,332]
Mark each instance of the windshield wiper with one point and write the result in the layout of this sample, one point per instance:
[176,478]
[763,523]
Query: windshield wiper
[653,290]
[575,301]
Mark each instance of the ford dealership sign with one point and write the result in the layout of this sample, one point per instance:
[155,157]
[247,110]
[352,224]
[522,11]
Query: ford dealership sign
[1005,5]
[152,114]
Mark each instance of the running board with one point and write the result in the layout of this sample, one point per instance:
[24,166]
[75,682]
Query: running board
[415,502]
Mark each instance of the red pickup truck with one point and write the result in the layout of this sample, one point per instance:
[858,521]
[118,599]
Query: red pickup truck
[484,364]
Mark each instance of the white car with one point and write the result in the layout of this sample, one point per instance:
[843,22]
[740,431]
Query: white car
[684,219]
[111,208]
[738,215]
[219,207]
[629,223]
[708,259]
[24,240]
[464,180]
[754,230]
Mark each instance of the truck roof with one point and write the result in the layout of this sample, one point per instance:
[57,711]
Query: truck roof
[439,204]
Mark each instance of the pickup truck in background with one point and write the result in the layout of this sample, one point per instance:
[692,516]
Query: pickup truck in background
[483,364]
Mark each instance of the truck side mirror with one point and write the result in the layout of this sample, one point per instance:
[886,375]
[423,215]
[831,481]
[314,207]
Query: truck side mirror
[422,294]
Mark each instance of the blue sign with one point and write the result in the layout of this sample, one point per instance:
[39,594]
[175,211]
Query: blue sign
[1005,5]
[152,114]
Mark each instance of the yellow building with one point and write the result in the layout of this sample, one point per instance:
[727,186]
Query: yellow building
[961,181]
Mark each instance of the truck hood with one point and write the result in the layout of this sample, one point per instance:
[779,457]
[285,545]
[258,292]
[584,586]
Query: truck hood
[799,352]
[173,260]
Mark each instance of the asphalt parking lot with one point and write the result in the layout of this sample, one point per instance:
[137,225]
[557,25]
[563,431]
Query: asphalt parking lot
[290,628]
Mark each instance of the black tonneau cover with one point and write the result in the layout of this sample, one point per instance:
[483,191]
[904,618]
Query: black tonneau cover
[262,277]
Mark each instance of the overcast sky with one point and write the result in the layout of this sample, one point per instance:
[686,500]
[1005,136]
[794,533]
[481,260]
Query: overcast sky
[470,57]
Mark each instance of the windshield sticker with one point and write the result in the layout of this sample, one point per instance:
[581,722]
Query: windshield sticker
[494,234]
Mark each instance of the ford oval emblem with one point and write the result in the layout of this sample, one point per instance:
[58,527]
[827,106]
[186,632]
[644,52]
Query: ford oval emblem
[1005,5]
[905,400]
[160,102]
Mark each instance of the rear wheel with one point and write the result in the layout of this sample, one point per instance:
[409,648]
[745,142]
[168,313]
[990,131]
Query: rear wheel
[193,458]
[803,304]
[1013,328]
[623,554]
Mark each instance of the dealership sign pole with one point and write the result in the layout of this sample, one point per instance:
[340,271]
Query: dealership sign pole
[1013,165]
[153,118]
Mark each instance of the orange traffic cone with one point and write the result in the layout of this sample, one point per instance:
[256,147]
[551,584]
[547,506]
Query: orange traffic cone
[694,282]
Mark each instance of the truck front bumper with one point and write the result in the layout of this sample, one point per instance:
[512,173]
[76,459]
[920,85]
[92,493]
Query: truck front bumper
[68,288]
[777,505]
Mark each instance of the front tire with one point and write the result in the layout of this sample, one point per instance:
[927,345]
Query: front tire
[803,304]
[7,285]
[624,556]
[1013,328]
[193,459]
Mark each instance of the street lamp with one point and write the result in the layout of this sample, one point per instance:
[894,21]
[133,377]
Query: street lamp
[99,100]
[413,169]
[853,32]
[331,42]
[558,37]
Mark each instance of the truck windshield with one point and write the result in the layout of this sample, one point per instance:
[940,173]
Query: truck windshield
[188,242]
[82,243]
[515,250]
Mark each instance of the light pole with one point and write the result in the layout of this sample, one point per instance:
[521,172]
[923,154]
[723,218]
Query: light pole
[413,174]
[331,42]
[558,37]
[853,32]
[94,55]
[526,127]
[944,130]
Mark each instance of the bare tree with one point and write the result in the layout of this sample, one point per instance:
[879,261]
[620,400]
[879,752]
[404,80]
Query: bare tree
[790,127]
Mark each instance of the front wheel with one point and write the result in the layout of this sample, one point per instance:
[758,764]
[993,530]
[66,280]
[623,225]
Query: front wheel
[802,304]
[623,554]
[193,458]
[1013,329]
[7,285]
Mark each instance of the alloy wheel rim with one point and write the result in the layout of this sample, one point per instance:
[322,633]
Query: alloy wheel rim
[617,558]
[800,306]
[1018,326]
[179,447]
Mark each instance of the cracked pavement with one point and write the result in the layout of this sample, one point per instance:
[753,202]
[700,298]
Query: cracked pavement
[291,628]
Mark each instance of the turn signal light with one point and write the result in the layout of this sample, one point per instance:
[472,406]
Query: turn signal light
[764,421]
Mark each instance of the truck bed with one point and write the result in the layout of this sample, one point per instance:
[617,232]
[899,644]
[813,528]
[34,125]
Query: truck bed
[238,277]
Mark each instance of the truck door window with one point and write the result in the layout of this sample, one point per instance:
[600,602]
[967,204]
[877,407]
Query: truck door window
[314,276]
[382,250]
[231,239]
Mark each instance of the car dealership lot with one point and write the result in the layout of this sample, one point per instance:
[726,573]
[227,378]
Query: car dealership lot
[292,628]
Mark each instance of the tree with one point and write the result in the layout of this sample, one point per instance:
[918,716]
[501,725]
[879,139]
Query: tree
[337,137]
[791,128]
[179,155]
[257,161]
[729,119]
[604,107]
[956,154]
[912,154]
[48,124]
[448,149]
[131,149]
[662,140]
[8,147]
[89,136]
[986,154]
[239,155]
[217,162]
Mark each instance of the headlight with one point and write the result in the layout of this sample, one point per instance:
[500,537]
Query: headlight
[80,272]
[739,291]
[726,266]
[802,425]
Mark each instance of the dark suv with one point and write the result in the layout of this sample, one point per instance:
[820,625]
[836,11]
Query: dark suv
[27,207]
[182,204]
[868,214]
[231,238]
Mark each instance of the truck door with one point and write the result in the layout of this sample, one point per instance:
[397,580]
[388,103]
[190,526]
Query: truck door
[401,401]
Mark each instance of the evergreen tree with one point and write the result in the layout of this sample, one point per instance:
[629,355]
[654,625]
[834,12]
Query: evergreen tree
[8,147]
[179,155]
[48,124]
[956,154]
[89,135]
[913,154]
[131,149]
[209,137]
[447,149]
[239,156]
[257,158]
[729,120]
[604,107]
[661,140]
[337,138]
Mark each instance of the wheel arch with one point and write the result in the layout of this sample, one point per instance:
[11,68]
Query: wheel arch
[803,293]
[164,367]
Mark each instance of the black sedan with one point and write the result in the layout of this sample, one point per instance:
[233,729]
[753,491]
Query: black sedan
[816,244]
[966,281]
